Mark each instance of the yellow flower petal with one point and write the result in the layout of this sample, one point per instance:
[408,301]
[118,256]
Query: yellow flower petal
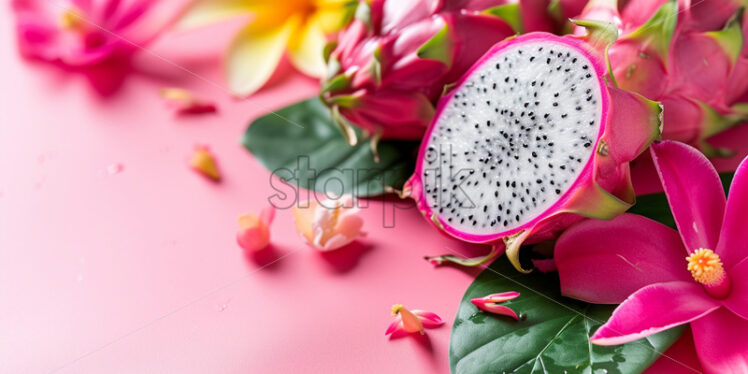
[306,48]
[205,12]
[332,15]
[254,54]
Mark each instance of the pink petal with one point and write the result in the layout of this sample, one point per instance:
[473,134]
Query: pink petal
[500,297]
[694,191]
[606,261]
[721,342]
[253,239]
[396,325]
[267,214]
[655,308]
[737,301]
[733,242]
[429,320]
[494,308]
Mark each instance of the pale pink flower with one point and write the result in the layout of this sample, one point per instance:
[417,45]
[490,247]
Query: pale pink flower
[328,225]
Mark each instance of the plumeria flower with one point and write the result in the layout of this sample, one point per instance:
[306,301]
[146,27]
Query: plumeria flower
[663,279]
[299,26]
[330,224]
[491,303]
[254,230]
[411,321]
[85,32]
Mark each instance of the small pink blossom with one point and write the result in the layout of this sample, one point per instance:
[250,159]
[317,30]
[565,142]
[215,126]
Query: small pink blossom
[329,224]
[254,231]
[85,32]
[411,321]
[491,303]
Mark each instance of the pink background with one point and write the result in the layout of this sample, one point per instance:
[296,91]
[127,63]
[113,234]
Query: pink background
[138,271]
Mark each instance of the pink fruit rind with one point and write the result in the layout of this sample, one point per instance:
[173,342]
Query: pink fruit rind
[603,188]
[408,50]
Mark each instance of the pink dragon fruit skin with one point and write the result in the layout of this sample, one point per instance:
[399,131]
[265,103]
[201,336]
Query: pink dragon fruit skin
[602,190]
[695,15]
[697,75]
[391,64]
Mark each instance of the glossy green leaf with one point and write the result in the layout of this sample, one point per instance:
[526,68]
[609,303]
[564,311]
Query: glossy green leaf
[552,335]
[302,144]
[655,206]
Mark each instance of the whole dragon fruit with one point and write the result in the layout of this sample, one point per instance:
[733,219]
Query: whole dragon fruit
[533,138]
[699,76]
[392,63]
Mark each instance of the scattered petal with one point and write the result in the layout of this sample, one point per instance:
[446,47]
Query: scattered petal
[185,103]
[329,224]
[254,231]
[491,303]
[203,162]
[412,321]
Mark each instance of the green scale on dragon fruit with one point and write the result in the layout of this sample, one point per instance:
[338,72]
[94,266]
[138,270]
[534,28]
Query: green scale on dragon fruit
[532,139]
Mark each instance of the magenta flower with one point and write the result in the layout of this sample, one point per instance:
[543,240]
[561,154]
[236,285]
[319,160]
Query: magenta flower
[663,279]
[85,32]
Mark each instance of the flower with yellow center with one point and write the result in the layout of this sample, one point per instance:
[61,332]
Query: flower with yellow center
[299,26]
[706,267]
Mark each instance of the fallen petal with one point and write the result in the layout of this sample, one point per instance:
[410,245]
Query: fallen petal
[254,231]
[500,297]
[203,162]
[428,319]
[394,326]
[496,309]
[412,321]
[491,303]
[184,102]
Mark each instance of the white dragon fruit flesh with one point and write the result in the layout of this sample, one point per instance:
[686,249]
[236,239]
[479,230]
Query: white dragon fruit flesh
[533,138]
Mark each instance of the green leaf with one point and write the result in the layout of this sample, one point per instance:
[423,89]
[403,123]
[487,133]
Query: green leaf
[657,32]
[553,336]
[440,47]
[302,144]
[655,206]
[511,13]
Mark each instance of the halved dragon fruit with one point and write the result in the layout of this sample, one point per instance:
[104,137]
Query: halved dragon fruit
[533,138]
